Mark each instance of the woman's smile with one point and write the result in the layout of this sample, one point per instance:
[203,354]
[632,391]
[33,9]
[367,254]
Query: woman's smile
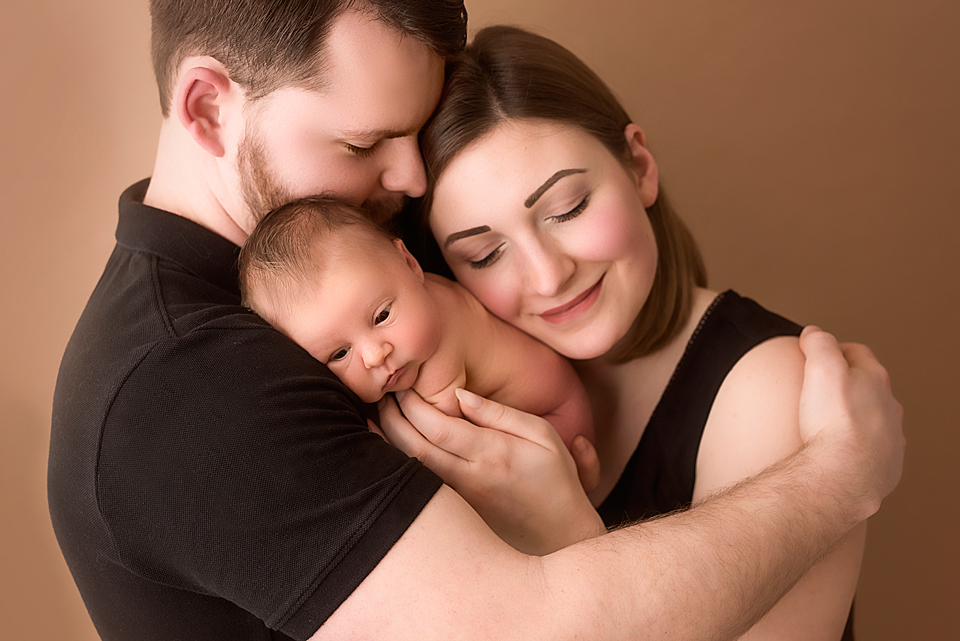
[575,308]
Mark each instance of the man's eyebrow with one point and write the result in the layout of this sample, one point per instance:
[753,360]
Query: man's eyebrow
[377,134]
[466,233]
[535,196]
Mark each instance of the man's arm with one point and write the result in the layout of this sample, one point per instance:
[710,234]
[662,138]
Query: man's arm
[705,574]
[708,573]
[754,422]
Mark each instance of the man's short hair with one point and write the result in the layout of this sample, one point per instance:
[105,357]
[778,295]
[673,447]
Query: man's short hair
[269,44]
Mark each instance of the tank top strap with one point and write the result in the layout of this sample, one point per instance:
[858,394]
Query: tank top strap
[660,475]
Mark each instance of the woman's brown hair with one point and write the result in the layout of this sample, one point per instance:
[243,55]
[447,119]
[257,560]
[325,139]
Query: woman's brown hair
[511,74]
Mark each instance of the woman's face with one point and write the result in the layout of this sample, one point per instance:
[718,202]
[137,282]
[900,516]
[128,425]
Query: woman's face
[549,231]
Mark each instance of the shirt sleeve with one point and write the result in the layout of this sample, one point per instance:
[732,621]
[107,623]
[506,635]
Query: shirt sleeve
[233,464]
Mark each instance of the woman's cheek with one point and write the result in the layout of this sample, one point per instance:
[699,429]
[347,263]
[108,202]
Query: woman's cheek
[496,296]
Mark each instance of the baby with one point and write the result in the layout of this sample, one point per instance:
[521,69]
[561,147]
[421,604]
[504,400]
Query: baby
[353,296]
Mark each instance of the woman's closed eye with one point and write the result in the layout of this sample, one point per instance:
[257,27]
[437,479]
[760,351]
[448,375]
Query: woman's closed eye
[573,213]
[488,259]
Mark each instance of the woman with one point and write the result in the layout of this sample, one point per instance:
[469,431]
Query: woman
[545,203]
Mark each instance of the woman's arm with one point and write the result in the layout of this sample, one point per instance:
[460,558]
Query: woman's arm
[754,423]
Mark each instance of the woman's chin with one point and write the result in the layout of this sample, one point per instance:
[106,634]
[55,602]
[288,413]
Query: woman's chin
[583,346]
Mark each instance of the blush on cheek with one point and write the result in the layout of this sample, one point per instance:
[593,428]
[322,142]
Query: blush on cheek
[611,239]
[502,302]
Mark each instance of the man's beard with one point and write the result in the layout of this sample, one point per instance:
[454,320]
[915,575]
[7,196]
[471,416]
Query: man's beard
[262,193]
[382,211]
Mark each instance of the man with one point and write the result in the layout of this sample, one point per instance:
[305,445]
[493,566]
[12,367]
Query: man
[209,480]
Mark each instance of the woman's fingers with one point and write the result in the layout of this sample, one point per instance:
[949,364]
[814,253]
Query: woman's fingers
[493,415]
[588,464]
[453,435]
[401,433]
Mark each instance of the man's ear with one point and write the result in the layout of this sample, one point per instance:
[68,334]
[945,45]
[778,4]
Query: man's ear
[642,164]
[203,99]
[408,258]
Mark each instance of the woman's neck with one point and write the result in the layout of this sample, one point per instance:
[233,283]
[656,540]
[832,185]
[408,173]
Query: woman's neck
[623,396]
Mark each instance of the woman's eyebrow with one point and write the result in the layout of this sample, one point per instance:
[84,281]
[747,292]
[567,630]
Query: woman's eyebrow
[466,233]
[535,196]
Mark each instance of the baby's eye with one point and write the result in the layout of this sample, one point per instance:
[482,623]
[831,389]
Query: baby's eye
[339,355]
[382,316]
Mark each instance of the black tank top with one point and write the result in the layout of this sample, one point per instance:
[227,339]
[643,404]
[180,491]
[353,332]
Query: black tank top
[660,475]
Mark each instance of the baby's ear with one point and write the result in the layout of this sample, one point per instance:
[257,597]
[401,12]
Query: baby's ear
[408,258]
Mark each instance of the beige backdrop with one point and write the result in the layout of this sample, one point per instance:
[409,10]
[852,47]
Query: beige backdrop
[813,147]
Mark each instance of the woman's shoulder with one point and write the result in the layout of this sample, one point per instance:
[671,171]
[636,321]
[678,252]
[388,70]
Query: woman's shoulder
[754,421]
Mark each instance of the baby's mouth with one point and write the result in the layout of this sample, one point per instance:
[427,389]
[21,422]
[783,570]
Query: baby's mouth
[393,378]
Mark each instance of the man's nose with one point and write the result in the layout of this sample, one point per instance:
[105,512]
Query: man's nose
[403,170]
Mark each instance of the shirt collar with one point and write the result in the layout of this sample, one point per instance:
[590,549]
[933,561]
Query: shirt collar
[175,238]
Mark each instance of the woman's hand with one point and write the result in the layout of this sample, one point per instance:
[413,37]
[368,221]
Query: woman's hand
[510,466]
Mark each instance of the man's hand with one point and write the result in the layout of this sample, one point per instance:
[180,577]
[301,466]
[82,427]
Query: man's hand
[510,466]
[848,416]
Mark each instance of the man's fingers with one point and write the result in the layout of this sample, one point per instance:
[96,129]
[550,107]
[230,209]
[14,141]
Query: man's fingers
[821,348]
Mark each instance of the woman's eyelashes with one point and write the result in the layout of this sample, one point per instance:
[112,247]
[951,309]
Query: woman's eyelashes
[488,259]
[573,213]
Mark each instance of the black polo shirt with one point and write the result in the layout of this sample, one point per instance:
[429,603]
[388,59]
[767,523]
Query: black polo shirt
[208,479]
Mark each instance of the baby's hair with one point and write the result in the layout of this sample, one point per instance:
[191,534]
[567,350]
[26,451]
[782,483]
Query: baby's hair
[285,252]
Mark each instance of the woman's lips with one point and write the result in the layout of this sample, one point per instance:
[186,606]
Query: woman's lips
[577,306]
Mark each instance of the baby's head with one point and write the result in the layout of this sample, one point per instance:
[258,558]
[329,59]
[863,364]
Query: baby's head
[345,290]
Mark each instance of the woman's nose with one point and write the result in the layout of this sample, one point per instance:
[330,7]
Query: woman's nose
[403,170]
[547,269]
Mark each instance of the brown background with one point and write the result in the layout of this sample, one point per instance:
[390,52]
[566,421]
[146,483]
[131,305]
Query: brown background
[813,147]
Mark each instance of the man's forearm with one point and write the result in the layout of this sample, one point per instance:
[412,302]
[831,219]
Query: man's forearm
[708,573]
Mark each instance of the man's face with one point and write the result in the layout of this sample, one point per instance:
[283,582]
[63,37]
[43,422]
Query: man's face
[355,140]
